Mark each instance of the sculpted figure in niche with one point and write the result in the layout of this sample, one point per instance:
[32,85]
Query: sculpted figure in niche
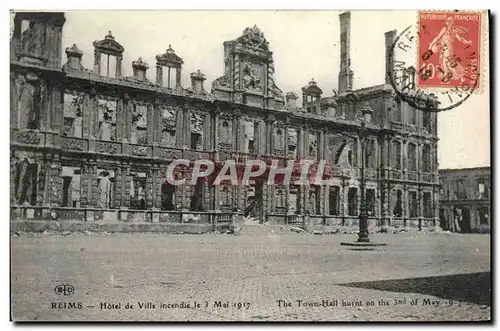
[312,203]
[251,79]
[104,190]
[28,39]
[27,105]
[344,156]
[106,112]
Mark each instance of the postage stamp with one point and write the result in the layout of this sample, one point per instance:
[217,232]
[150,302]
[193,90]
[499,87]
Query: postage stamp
[449,49]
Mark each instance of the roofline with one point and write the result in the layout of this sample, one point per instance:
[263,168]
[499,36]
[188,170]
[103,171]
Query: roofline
[463,169]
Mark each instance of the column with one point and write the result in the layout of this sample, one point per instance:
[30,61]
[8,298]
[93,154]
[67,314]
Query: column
[14,96]
[94,117]
[126,186]
[120,120]
[40,185]
[158,125]
[300,143]
[285,145]
[186,127]
[97,60]
[13,170]
[44,105]
[93,189]
[118,187]
[179,128]
[235,130]
[405,212]
[159,75]
[151,178]
[56,182]
[56,121]
[151,124]
[119,60]
[435,206]
[178,78]
[207,134]
[241,133]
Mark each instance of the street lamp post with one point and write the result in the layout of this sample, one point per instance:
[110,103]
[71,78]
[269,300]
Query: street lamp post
[366,112]
[363,241]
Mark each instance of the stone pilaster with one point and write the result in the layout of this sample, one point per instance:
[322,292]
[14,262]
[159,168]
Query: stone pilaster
[207,133]
[405,211]
[150,179]
[56,182]
[86,116]
[158,125]
[179,128]
[118,187]
[236,130]
[120,119]
[40,185]
[321,145]
[300,143]
[94,116]
[43,106]
[93,189]
[151,124]
[119,60]
[126,187]
[186,132]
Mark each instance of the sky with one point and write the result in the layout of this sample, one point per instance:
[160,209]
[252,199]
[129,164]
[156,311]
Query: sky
[305,45]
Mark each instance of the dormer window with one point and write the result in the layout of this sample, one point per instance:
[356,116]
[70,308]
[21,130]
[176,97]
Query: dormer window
[168,69]
[108,56]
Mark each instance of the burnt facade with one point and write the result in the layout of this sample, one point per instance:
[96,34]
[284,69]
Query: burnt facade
[465,204]
[95,145]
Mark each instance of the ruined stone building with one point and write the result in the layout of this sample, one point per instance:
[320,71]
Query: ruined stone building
[465,204]
[91,144]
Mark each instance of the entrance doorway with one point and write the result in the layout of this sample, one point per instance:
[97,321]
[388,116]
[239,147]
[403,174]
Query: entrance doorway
[466,226]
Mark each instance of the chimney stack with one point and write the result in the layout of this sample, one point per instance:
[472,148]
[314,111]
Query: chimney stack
[140,68]
[390,37]
[291,100]
[197,79]
[74,55]
[346,74]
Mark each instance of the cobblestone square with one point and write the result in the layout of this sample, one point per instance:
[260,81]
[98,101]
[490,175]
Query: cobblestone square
[277,276]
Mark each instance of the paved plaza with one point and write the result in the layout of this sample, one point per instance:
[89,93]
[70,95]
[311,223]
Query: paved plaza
[276,276]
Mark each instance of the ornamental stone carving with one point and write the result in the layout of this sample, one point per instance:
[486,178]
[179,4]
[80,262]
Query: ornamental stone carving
[28,137]
[108,148]
[139,150]
[73,144]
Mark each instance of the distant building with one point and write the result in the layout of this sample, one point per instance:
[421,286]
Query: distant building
[465,199]
[94,144]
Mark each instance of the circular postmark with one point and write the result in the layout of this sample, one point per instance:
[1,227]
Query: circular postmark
[409,81]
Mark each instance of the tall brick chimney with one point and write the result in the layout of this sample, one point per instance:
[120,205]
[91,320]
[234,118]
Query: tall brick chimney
[346,74]
[390,37]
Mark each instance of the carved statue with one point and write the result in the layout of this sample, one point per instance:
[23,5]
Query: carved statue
[27,105]
[254,39]
[28,39]
[26,173]
[251,79]
[104,190]
[197,123]
[312,203]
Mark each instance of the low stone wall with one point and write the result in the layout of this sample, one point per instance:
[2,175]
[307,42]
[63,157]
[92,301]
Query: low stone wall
[39,219]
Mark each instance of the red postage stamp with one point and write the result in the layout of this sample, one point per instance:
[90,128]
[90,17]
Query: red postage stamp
[449,49]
